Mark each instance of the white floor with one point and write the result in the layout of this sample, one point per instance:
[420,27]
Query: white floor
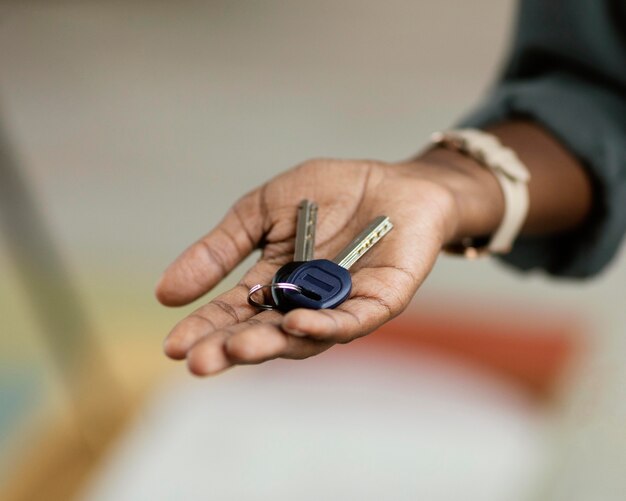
[348,425]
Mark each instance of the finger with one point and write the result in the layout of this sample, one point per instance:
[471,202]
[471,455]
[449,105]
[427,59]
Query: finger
[379,294]
[255,341]
[229,308]
[211,258]
[208,355]
[267,342]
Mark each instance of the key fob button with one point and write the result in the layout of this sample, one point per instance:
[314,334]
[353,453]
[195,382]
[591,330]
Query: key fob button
[325,285]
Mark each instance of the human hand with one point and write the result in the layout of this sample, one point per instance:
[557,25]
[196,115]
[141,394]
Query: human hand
[425,199]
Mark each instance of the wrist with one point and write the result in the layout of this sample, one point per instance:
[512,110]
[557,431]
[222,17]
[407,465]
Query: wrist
[478,199]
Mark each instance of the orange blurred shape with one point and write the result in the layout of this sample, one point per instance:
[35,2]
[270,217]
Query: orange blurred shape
[529,348]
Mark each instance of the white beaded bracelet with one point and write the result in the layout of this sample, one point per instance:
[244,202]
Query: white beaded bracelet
[512,175]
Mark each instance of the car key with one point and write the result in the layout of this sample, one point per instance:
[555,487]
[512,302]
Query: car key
[325,283]
[304,246]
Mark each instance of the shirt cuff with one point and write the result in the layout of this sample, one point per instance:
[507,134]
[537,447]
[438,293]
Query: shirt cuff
[590,121]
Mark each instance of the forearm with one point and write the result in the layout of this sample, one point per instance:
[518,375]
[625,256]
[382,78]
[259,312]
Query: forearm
[560,190]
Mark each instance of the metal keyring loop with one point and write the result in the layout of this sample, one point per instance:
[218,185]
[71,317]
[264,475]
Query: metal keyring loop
[278,285]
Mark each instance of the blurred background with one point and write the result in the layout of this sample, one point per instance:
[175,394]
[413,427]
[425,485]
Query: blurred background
[126,131]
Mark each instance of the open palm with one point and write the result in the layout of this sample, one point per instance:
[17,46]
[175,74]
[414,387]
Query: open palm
[228,331]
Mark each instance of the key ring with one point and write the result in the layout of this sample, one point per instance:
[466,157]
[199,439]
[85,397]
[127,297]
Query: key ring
[278,285]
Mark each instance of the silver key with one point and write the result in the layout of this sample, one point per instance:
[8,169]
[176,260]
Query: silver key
[304,246]
[376,230]
[305,231]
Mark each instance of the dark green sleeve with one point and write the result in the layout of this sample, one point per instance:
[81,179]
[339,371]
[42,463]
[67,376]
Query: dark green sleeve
[567,71]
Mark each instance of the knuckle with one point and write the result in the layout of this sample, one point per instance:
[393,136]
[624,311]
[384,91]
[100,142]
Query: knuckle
[215,254]
[312,163]
[334,332]
[315,165]
[390,302]
[227,308]
[248,203]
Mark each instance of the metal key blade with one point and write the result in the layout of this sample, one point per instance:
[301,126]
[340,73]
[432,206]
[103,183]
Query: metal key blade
[376,230]
[305,231]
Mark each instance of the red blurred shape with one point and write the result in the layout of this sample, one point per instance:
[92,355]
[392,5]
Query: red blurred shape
[536,353]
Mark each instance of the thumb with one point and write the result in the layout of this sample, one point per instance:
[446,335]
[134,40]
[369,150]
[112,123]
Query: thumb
[205,263]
